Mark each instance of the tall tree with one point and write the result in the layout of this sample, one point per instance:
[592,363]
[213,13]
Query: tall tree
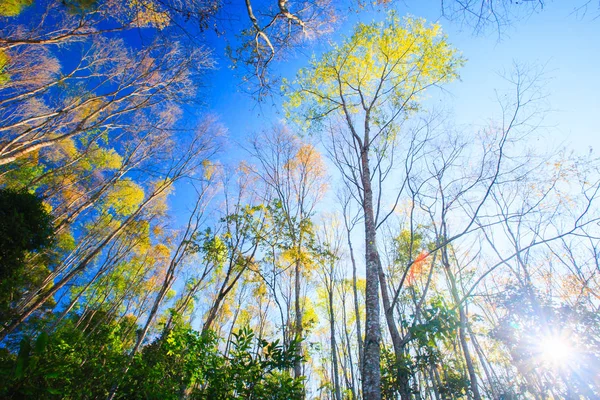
[294,177]
[366,88]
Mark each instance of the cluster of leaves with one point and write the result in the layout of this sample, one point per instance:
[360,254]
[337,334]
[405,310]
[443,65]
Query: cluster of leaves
[25,228]
[67,363]
[70,364]
[11,8]
[390,374]
[255,369]
[395,376]
[438,324]
[361,74]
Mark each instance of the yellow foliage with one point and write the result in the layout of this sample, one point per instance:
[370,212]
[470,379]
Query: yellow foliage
[148,13]
[65,240]
[162,251]
[12,8]
[159,205]
[244,318]
[47,207]
[389,63]
[309,317]
[70,191]
[68,148]
[142,246]
[124,198]
[100,158]
[64,149]
[260,290]
[209,169]
[90,109]
[170,294]
[226,310]
[4,60]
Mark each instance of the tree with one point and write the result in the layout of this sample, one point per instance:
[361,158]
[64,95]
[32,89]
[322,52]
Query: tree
[25,228]
[294,177]
[368,86]
[188,161]
[329,243]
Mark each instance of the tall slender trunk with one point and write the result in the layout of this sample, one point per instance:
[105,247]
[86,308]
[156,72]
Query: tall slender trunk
[348,349]
[435,381]
[462,327]
[230,334]
[298,317]
[402,376]
[465,346]
[334,361]
[482,360]
[356,304]
[159,298]
[372,352]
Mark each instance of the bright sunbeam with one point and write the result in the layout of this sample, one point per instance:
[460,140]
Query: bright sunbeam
[555,350]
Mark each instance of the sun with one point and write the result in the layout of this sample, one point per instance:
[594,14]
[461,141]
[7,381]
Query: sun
[556,350]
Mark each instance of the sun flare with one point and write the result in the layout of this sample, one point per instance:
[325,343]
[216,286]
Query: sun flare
[555,350]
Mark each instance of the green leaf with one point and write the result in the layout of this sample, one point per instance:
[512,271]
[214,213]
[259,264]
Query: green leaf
[41,343]
[23,358]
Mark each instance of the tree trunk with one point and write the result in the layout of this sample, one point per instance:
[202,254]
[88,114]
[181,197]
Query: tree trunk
[356,306]
[298,312]
[372,353]
[462,327]
[337,394]
[352,384]
[483,361]
[403,377]
[463,341]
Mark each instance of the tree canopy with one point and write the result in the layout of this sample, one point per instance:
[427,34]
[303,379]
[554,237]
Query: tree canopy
[294,200]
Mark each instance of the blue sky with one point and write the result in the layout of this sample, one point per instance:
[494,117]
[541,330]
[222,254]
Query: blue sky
[565,44]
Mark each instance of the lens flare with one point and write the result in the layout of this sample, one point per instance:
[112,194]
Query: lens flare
[555,350]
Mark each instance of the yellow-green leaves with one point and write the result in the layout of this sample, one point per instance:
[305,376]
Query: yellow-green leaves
[382,68]
[148,13]
[99,158]
[125,197]
[12,8]
[215,250]
[4,60]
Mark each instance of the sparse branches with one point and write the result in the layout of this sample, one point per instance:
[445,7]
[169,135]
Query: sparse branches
[274,34]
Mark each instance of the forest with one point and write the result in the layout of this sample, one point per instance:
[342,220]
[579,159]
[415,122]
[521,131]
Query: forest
[285,199]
